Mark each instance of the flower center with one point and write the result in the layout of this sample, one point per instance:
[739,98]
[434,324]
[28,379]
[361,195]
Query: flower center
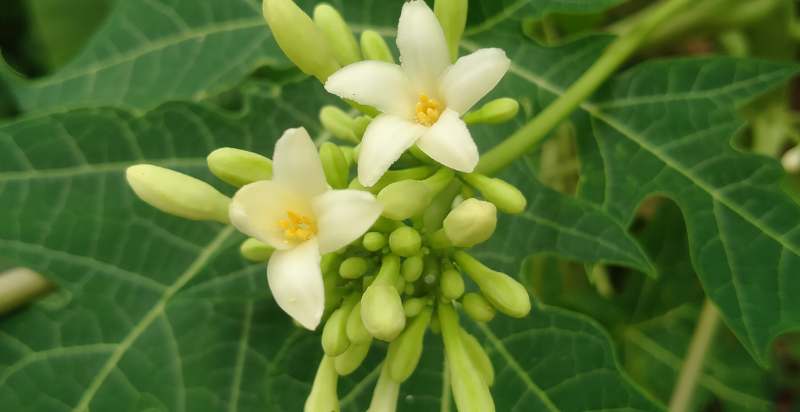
[428,110]
[298,227]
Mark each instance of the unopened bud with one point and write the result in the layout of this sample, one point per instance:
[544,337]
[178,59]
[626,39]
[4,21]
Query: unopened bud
[299,38]
[382,312]
[353,267]
[477,307]
[239,167]
[394,176]
[335,165]
[178,194]
[472,222]
[389,271]
[385,394]
[405,241]
[374,47]
[478,357]
[439,180]
[505,196]
[452,284]
[442,205]
[334,335]
[374,241]
[504,293]
[496,111]
[404,352]
[255,251]
[404,199]
[414,306]
[352,358]
[340,36]
[452,15]
[356,332]
[412,268]
[339,123]
[323,396]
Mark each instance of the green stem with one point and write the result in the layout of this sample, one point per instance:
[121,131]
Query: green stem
[617,53]
[20,286]
[681,400]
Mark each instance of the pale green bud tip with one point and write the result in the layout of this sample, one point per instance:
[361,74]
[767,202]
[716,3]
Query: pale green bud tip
[340,124]
[452,284]
[404,352]
[299,38]
[414,306]
[452,14]
[374,47]
[356,331]
[343,42]
[374,241]
[352,358]
[504,293]
[323,397]
[472,222]
[334,335]
[496,111]
[239,167]
[477,307]
[255,250]
[335,165]
[412,268]
[405,241]
[353,267]
[178,194]
[502,194]
[404,199]
[382,312]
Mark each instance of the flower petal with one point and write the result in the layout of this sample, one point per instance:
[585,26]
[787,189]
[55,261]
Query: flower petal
[450,143]
[423,48]
[473,77]
[378,84]
[257,208]
[295,279]
[343,216]
[296,163]
[385,140]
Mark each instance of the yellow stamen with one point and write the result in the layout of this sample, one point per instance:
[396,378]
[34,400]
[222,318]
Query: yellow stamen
[298,227]
[428,110]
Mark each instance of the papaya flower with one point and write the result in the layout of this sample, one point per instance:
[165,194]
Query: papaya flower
[302,218]
[422,99]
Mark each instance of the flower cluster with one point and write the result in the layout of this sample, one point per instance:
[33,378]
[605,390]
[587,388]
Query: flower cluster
[380,254]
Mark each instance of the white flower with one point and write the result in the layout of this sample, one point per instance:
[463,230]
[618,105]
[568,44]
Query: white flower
[423,99]
[302,218]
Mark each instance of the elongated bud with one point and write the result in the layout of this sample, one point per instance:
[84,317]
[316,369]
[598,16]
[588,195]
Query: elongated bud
[337,170]
[505,196]
[334,335]
[239,167]
[405,351]
[393,176]
[374,241]
[352,358]
[439,180]
[255,251]
[356,332]
[478,357]
[374,47]
[340,36]
[382,312]
[477,307]
[452,284]
[504,293]
[386,393]
[496,111]
[412,268]
[405,241]
[353,267]
[178,194]
[452,15]
[472,222]
[442,205]
[323,396]
[339,124]
[404,199]
[791,160]
[389,272]
[299,38]
[470,390]
[414,306]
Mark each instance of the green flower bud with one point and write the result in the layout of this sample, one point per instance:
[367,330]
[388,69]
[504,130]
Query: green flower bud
[239,167]
[386,393]
[441,206]
[405,241]
[405,351]
[353,267]
[335,165]
[505,196]
[338,123]
[343,42]
[496,111]
[478,357]
[299,38]
[385,225]
[356,332]
[404,199]
[389,272]
[414,306]
[352,358]
[323,397]
[438,240]
[334,334]
[439,180]
[178,194]
[451,284]
[374,241]
[393,176]
[477,307]
[470,223]
[374,47]
[412,268]
[255,250]
[382,312]
[470,390]
[505,293]
[452,15]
